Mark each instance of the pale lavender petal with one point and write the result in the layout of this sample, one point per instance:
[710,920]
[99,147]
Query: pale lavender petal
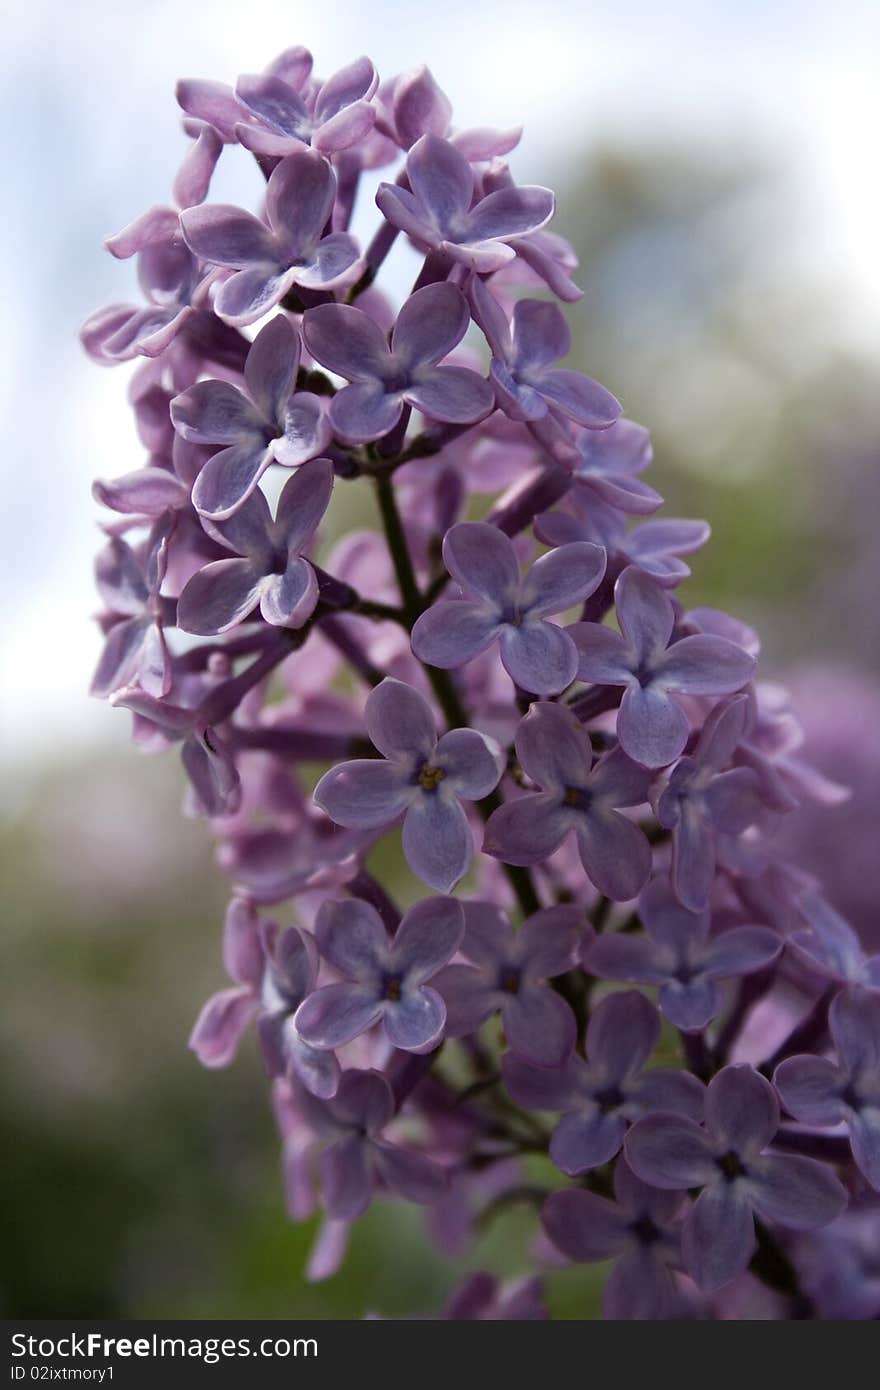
[527,830]
[302,504]
[553,747]
[437,841]
[219,597]
[306,431]
[482,560]
[221,1025]
[399,722]
[440,177]
[274,100]
[142,492]
[705,665]
[335,1014]
[586,1139]
[228,478]
[615,854]
[215,412]
[670,1151]
[583,1225]
[645,613]
[472,761]
[290,599]
[431,323]
[454,395]
[798,1192]
[539,1025]
[415,1022]
[194,175]
[718,1236]
[299,199]
[427,938]
[364,411]
[345,129]
[811,1089]
[271,366]
[250,293]
[539,657]
[562,578]
[352,938]
[346,340]
[585,400]
[420,107]
[741,950]
[453,632]
[345,1179]
[621,1035]
[619,781]
[604,657]
[652,728]
[510,212]
[317,1070]
[364,794]
[742,1111]
[227,235]
[334,263]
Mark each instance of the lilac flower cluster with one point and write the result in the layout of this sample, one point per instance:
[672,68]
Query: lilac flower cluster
[585,773]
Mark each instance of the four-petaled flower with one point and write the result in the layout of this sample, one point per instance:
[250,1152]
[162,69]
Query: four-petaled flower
[268,569]
[509,974]
[599,1097]
[384,978]
[819,1092]
[654,546]
[330,116]
[499,604]
[829,946]
[129,582]
[268,260]
[639,1231]
[651,726]
[420,777]
[727,1160]
[382,378]
[681,957]
[554,750]
[527,385]
[269,425]
[701,799]
[438,209]
[608,464]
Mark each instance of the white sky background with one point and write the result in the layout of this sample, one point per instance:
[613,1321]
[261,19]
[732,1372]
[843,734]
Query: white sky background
[91,138]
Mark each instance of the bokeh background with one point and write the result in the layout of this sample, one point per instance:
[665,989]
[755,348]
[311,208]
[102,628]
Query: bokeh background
[715,169]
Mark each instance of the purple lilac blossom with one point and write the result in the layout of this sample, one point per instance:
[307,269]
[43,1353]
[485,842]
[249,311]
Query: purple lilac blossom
[384,378]
[421,777]
[499,604]
[600,1096]
[384,979]
[681,957]
[412,1055]
[554,750]
[739,1180]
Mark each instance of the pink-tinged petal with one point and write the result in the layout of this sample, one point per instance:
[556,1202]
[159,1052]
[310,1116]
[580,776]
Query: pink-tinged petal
[437,841]
[346,128]
[293,66]
[705,665]
[604,657]
[652,728]
[428,938]
[482,560]
[101,328]
[469,999]
[645,614]
[718,1237]
[546,943]
[346,340]
[615,854]
[741,950]
[221,1025]
[491,318]
[734,800]
[194,175]
[227,235]
[527,830]
[579,397]
[219,597]
[539,1025]
[510,212]
[271,367]
[431,323]
[440,178]
[585,1140]
[335,263]
[336,1014]
[742,1111]
[290,599]
[143,492]
[420,107]
[120,660]
[410,1174]
[345,1179]
[249,294]
[621,1035]
[400,722]
[553,747]
[363,411]
[800,1193]
[584,1226]
[274,101]
[307,431]
[628,494]
[243,957]
[454,395]
[540,334]
[212,772]
[248,531]
[453,632]
[215,412]
[854,1017]
[480,145]
[539,657]
[299,200]
[404,211]
[352,938]
[302,504]
[562,578]
[415,1022]
[473,763]
[228,479]
[357,81]
[364,794]
[670,1151]
[213,102]
[317,1070]
[625,957]
[811,1089]
[722,733]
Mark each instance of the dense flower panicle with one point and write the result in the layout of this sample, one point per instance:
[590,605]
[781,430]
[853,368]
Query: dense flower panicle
[519,675]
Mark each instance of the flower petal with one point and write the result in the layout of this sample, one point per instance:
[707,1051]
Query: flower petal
[455,395]
[539,1025]
[219,596]
[364,794]
[718,1236]
[553,747]
[652,728]
[427,938]
[621,1035]
[584,1226]
[430,324]
[527,830]
[742,1111]
[810,1089]
[473,763]
[453,632]
[415,1022]
[615,854]
[335,1014]
[482,560]
[798,1192]
[400,722]
[437,841]
[670,1151]
[586,1139]
[346,340]
[538,656]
